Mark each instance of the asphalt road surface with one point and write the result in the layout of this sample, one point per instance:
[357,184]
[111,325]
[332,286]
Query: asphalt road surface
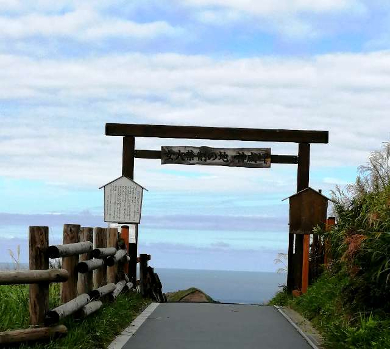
[215,326]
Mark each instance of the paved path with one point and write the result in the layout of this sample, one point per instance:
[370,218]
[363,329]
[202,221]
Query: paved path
[215,326]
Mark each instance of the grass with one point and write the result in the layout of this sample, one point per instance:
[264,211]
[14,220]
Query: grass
[350,303]
[179,295]
[342,325]
[96,331]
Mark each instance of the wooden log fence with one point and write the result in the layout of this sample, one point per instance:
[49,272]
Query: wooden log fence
[64,310]
[118,289]
[88,309]
[33,276]
[103,252]
[32,334]
[85,251]
[102,291]
[119,255]
[69,249]
[92,264]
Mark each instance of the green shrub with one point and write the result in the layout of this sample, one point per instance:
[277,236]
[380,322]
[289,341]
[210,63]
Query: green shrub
[350,303]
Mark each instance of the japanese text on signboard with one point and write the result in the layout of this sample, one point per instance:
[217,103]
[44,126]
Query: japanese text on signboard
[237,157]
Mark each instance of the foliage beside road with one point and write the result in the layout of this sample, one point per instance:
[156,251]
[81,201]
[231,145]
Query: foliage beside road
[96,331]
[350,303]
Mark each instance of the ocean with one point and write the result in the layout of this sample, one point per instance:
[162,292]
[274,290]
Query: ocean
[223,286]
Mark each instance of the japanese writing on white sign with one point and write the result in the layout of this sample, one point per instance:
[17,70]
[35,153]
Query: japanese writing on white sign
[237,157]
[122,201]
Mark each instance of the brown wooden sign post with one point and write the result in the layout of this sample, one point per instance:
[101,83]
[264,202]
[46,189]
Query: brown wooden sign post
[302,137]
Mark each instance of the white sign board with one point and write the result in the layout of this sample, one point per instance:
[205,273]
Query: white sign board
[122,201]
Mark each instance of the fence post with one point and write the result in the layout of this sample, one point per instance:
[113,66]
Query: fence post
[133,263]
[69,288]
[143,265]
[125,240]
[112,241]
[305,263]
[330,222]
[38,260]
[100,240]
[85,282]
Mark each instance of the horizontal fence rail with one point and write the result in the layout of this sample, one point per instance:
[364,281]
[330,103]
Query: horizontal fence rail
[33,276]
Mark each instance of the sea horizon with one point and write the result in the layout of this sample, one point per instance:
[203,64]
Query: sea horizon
[225,286]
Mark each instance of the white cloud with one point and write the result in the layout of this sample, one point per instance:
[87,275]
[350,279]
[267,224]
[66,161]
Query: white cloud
[53,112]
[271,7]
[292,19]
[81,24]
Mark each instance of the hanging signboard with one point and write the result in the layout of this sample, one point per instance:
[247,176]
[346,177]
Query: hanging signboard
[234,157]
[122,201]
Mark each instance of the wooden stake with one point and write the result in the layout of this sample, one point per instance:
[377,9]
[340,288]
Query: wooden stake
[330,222]
[290,263]
[305,264]
[112,241]
[38,260]
[100,240]
[143,265]
[125,239]
[85,282]
[69,288]
[133,262]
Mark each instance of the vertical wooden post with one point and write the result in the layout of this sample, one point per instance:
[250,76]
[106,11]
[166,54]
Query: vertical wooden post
[85,281]
[316,257]
[125,240]
[290,263]
[330,222]
[112,241]
[38,260]
[69,288]
[302,183]
[305,263]
[143,265]
[128,171]
[133,263]
[99,240]
[128,157]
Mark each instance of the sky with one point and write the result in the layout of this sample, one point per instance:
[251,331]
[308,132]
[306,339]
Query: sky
[69,67]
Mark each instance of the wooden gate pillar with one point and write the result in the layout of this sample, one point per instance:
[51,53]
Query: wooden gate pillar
[295,260]
[128,155]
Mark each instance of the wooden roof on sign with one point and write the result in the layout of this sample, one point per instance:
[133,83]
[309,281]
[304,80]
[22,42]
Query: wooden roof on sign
[217,133]
[307,189]
[126,178]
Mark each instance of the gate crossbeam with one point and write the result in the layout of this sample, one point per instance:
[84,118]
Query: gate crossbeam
[217,133]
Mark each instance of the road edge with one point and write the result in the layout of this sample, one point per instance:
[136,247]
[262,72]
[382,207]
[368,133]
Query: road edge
[307,339]
[129,331]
